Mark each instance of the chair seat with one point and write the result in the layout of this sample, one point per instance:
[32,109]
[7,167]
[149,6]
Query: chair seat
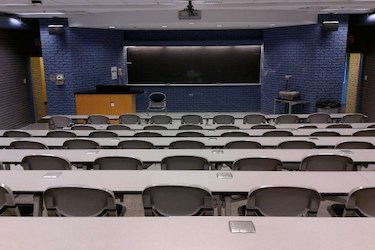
[336,210]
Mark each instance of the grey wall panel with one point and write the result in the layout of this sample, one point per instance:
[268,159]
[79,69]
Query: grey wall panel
[15,108]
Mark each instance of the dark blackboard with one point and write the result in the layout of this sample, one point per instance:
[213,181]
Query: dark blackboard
[194,64]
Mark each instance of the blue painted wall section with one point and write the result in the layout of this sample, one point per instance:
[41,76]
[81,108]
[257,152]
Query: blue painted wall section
[210,99]
[84,56]
[315,59]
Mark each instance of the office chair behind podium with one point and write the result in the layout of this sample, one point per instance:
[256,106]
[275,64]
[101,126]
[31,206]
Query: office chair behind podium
[157,101]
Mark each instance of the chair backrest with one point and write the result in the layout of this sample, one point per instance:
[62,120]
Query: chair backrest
[97,119]
[155,127]
[263,126]
[182,162]
[254,119]
[79,201]
[185,144]
[190,134]
[157,96]
[157,101]
[285,119]
[235,134]
[80,144]
[173,200]
[283,201]
[59,121]
[45,162]
[361,202]
[339,125]
[190,127]
[297,145]
[83,127]
[325,133]
[257,164]
[7,201]
[135,144]
[278,133]
[355,145]
[61,134]
[191,119]
[16,133]
[117,127]
[117,163]
[308,127]
[319,118]
[243,144]
[147,134]
[223,119]
[27,145]
[371,126]
[228,127]
[103,134]
[129,119]
[353,118]
[367,132]
[327,162]
[161,119]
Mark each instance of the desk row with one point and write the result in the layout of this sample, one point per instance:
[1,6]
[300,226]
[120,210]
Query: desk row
[263,185]
[186,233]
[200,118]
[340,142]
[191,133]
[193,159]
[234,126]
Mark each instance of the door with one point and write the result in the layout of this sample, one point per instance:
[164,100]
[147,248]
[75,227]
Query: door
[39,87]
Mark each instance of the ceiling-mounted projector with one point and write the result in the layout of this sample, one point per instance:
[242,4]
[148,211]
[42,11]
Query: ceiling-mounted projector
[189,13]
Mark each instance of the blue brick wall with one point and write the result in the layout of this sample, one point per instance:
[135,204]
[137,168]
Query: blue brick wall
[316,60]
[210,99]
[84,56]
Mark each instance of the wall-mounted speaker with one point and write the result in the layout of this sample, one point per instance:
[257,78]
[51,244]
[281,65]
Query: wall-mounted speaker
[330,26]
[56,29]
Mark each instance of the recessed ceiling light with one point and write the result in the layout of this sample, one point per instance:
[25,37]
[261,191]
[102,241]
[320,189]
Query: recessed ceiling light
[219,25]
[371,18]
[14,21]
[112,27]
[164,26]
[272,24]
[39,13]
[191,23]
[55,26]
[15,4]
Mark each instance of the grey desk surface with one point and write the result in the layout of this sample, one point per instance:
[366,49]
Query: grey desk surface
[135,181]
[212,155]
[186,233]
[206,115]
[213,132]
[207,141]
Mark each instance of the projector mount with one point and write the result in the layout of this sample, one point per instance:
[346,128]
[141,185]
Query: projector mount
[189,12]
[190,8]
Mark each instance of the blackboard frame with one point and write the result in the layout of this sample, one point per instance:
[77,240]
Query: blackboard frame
[237,54]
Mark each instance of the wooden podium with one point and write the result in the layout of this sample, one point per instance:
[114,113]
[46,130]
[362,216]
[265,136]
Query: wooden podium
[106,104]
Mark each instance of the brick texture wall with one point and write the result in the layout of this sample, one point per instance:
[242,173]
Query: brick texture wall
[210,99]
[315,59]
[84,56]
